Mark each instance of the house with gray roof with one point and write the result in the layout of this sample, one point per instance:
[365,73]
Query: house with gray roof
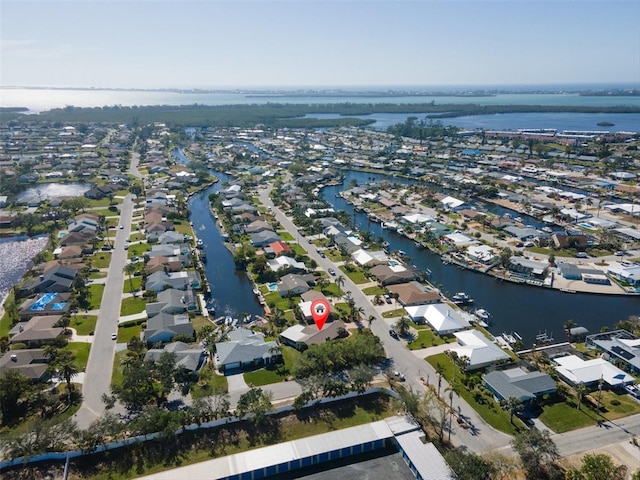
[32,363]
[521,233]
[264,237]
[37,331]
[618,345]
[292,284]
[520,384]
[182,280]
[56,279]
[186,356]
[173,302]
[246,349]
[164,326]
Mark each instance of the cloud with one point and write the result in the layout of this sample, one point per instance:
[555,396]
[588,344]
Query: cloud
[30,49]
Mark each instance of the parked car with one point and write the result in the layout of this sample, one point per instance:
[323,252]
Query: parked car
[393,333]
[114,336]
[619,253]
[582,255]
[387,298]
[332,272]
[321,253]
[399,376]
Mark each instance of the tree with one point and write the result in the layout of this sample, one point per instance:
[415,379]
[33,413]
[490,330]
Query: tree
[403,326]
[15,393]
[137,388]
[469,466]
[453,388]
[536,450]
[581,391]
[512,405]
[597,467]
[255,403]
[505,256]
[440,372]
[340,281]
[67,368]
[130,269]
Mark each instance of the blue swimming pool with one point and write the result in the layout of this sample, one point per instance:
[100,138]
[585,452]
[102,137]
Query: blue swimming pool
[272,287]
[58,306]
[43,301]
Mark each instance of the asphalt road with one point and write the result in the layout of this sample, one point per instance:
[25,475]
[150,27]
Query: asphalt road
[97,379]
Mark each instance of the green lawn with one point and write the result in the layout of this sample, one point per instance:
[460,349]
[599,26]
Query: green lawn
[128,330]
[426,338]
[80,352]
[97,275]
[83,324]
[285,236]
[132,305]
[100,260]
[136,281]
[116,374]
[333,255]
[5,321]
[562,416]
[484,404]
[356,276]
[398,312]
[331,290]
[375,290]
[96,290]
[208,379]
[265,376]
[138,249]
[297,249]
[278,301]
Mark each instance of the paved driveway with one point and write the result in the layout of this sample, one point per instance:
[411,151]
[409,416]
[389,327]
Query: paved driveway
[237,383]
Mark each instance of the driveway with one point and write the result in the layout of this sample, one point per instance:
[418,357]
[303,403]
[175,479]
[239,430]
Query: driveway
[236,383]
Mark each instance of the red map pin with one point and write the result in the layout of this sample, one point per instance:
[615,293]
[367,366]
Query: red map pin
[320,310]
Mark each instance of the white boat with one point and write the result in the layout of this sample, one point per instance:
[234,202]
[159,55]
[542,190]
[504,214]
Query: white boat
[482,314]
[461,298]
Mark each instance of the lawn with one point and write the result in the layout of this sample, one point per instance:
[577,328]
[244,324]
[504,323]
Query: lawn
[208,380]
[426,338]
[484,403]
[83,324]
[356,276]
[285,236]
[96,290]
[184,228]
[101,260]
[5,321]
[297,249]
[138,249]
[564,416]
[333,255]
[116,374]
[128,330]
[331,290]
[132,305]
[268,375]
[97,275]
[280,302]
[81,353]
[135,281]
[375,290]
[398,312]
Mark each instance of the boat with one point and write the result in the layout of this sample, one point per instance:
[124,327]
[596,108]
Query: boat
[512,337]
[401,253]
[200,243]
[482,314]
[461,298]
[211,308]
[385,244]
[203,257]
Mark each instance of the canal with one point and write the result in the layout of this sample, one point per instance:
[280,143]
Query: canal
[231,290]
[524,309]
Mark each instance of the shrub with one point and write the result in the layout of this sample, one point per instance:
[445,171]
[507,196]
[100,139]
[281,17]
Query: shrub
[615,402]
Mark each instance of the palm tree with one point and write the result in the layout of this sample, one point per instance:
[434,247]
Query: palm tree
[371,319]
[568,325]
[403,326]
[451,389]
[130,269]
[512,405]
[67,368]
[356,313]
[581,390]
[440,373]
[340,281]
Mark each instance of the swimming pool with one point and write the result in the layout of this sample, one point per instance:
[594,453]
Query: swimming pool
[393,263]
[589,226]
[273,287]
[43,301]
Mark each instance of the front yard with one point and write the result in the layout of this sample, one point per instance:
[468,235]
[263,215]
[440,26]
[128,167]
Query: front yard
[277,373]
[132,305]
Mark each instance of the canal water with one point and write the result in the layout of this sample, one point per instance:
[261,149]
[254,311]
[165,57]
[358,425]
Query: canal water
[525,309]
[231,290]
[16,254]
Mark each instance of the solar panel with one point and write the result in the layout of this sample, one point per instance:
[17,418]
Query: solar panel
[622,352]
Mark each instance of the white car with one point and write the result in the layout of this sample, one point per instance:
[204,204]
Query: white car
[114,336]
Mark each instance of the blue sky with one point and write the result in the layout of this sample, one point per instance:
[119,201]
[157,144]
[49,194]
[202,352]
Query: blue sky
[155,44]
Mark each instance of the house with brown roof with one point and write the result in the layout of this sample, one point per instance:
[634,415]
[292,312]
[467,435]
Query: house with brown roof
[414,293]
[163,263]
[76,238]
[38,330]
[301,337]
[31,363]
[388,275]
[70,251]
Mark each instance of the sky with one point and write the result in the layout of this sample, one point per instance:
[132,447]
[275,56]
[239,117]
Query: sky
[306,43]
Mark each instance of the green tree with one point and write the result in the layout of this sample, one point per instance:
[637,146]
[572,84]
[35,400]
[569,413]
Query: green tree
[440,372]
[15,395]
[469,466]
[512,405]
[537,452]
[597,466]
[257,404]
[402,326]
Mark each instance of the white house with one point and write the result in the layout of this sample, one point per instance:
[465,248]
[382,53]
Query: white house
[627,272]
[576,371]
[452,204]
[441,317]
[482,253]
[477,349]
[368,259]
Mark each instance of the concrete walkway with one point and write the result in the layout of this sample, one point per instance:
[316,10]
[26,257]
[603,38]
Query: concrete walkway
[236,383]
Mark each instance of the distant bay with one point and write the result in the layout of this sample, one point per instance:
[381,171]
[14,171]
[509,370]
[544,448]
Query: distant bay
[42,99]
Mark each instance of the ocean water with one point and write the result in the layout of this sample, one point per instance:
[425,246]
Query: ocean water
[41,99]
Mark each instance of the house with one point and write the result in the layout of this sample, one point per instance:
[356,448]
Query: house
[36,331]
[277,248]
[49,303]
[264,237]
[186,357]
[389,275]
[280,263]
[366,258]
[292,284]
[346,242]
[164,326]
[442,318]
[627,272]
[576,371]
[301,337]
[70,251]
[182,280]
[521,233]
[257,226]
[171,237]
[246,349]
[163,264]
[520,384]
[452,204]
[525,266]
[458,239]
[564,240]
[31,363]
[477,350]
[307,299]
[482,254]
[414,293]
[56,279]
[173,302]
[618,345]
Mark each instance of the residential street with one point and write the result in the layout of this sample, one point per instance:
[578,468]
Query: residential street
[481,437]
